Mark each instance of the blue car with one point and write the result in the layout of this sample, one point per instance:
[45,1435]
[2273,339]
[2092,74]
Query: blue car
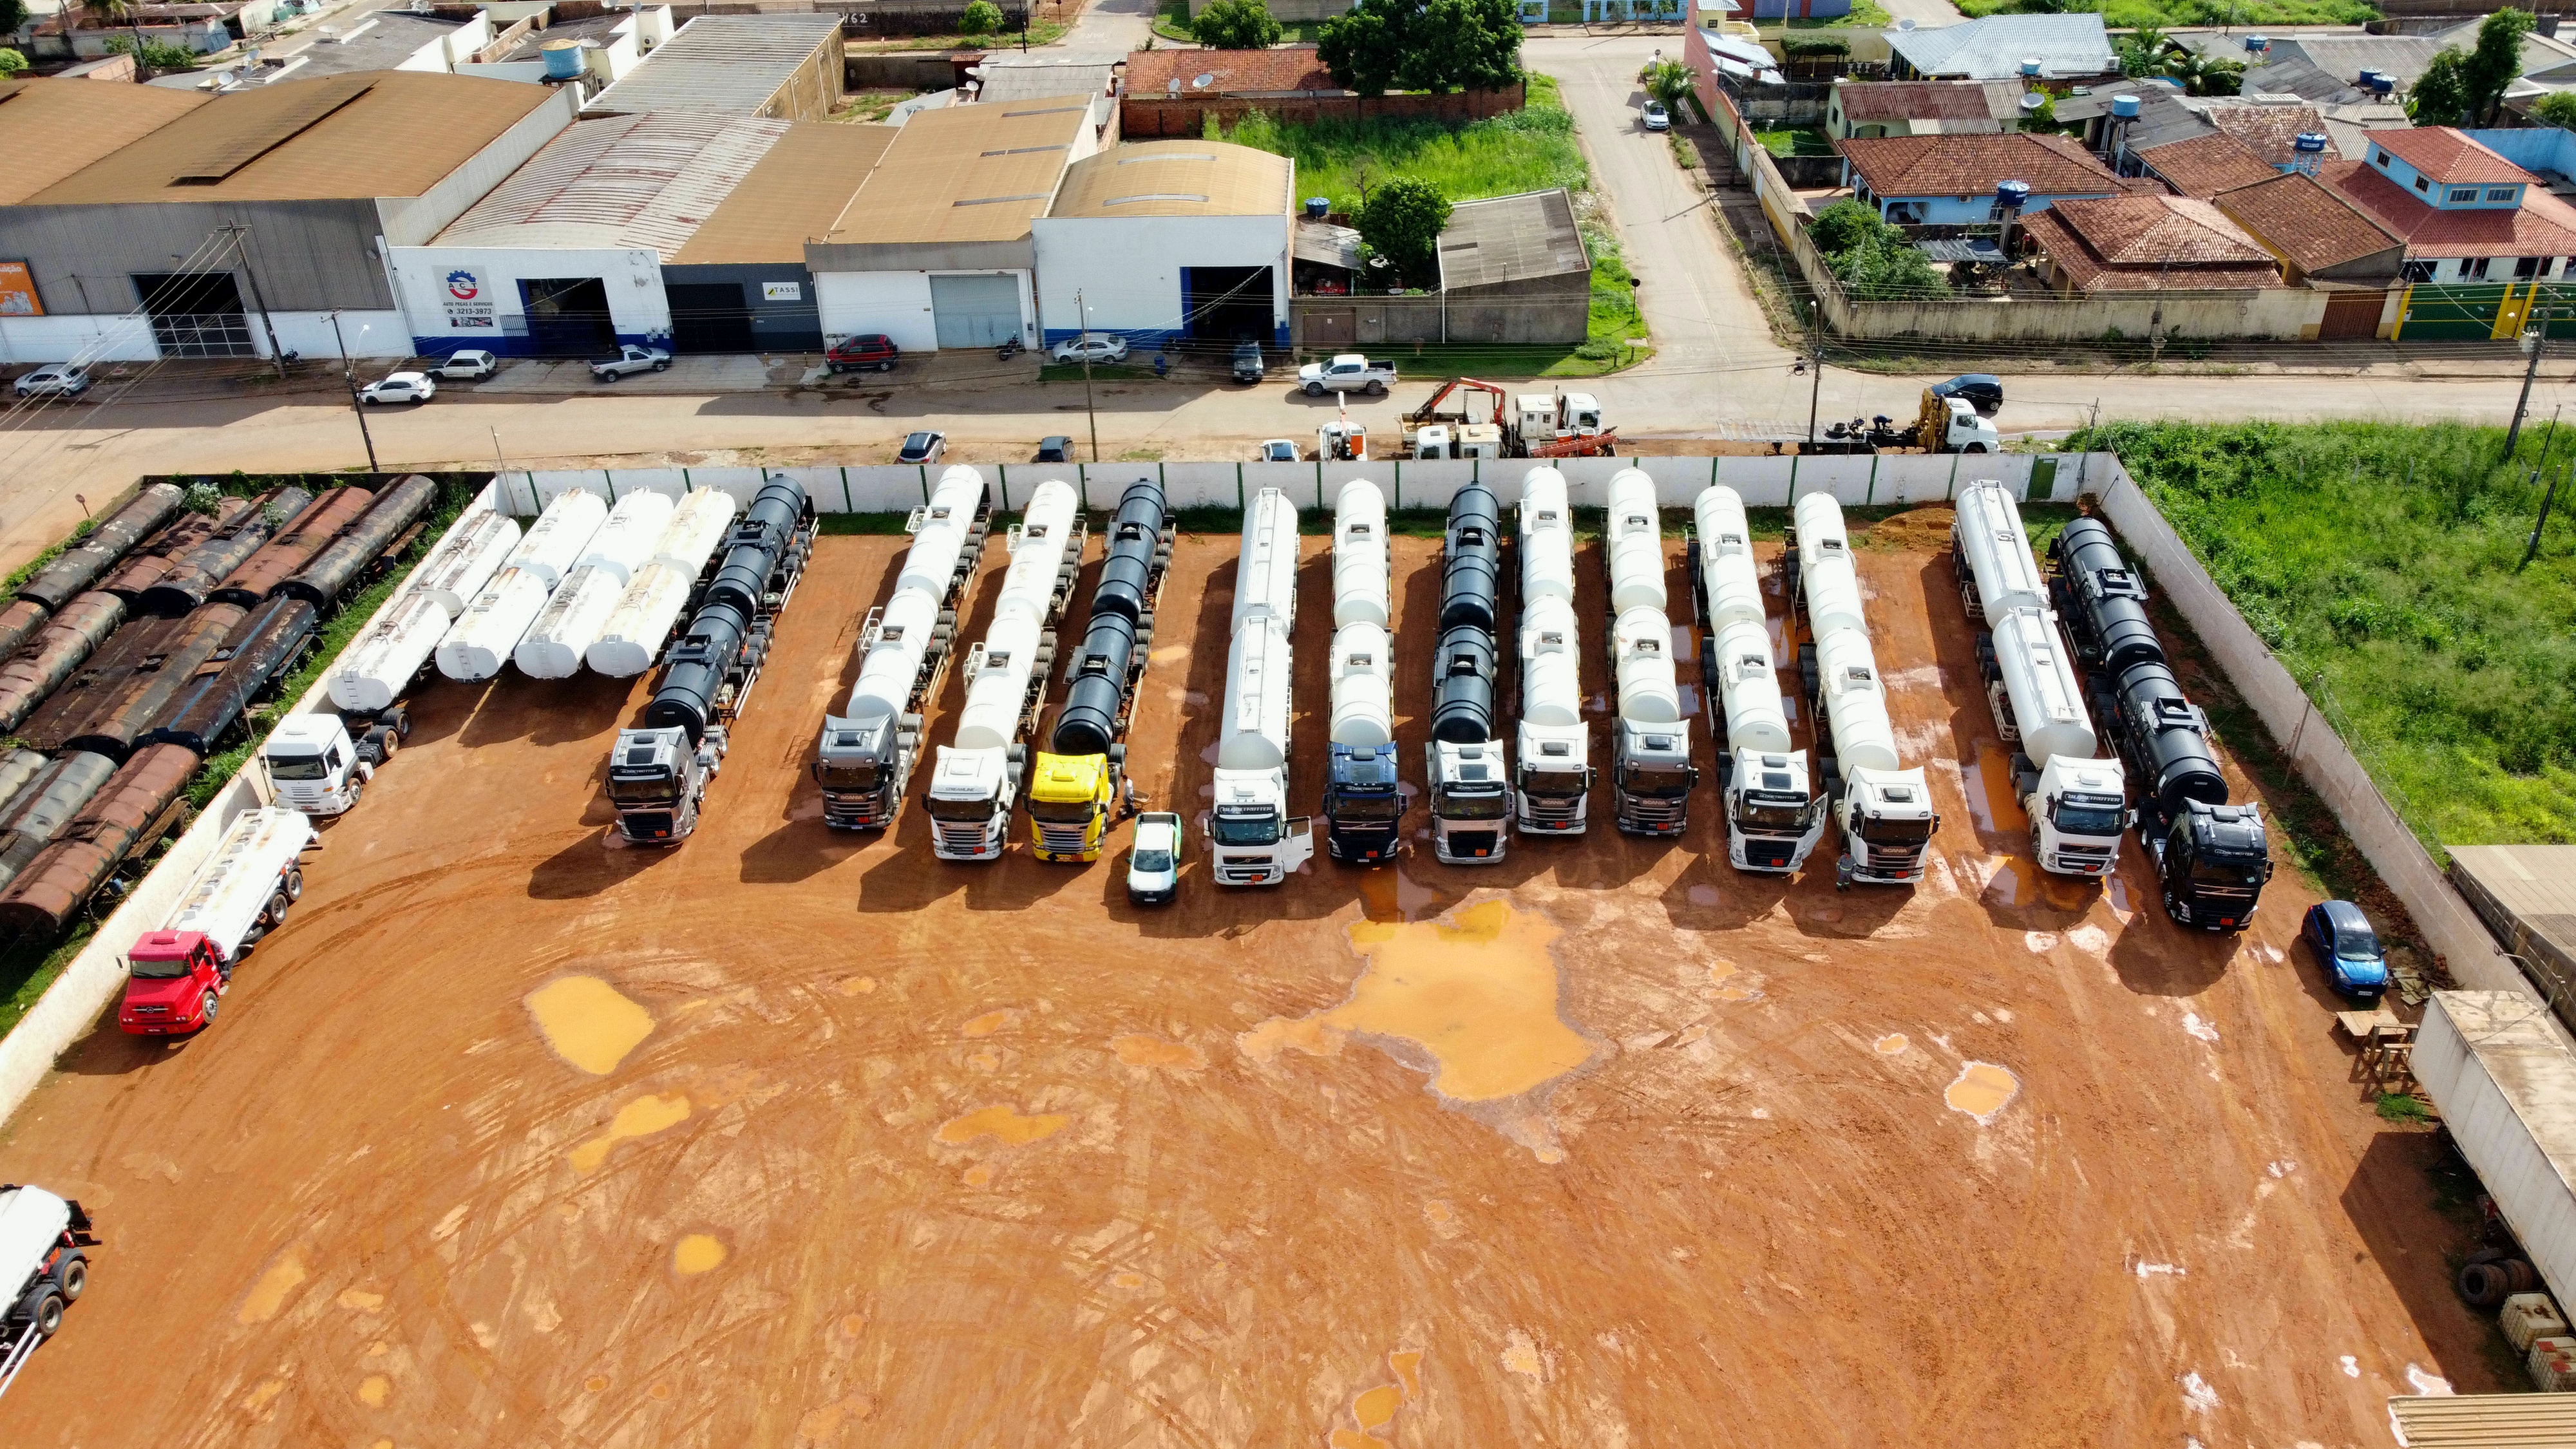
[2347,948]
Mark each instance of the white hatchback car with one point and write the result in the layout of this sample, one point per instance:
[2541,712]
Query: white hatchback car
[54,379]
[1154,860]
[472,365]
[1278,450]
[411,387]
[1093,346]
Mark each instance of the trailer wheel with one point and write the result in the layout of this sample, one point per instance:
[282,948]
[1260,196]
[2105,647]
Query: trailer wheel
[71,1275]
[386,742]
[277,904]
[295,884]
[399,720]
[46,1313]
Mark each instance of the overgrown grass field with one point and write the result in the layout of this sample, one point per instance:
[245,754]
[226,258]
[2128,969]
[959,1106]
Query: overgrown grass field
[1530,149]
[2381,562]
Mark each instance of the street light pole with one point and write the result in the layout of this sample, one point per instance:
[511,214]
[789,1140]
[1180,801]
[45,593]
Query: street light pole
[2534,341]
[1082,344]
[349,375]
[1815,364]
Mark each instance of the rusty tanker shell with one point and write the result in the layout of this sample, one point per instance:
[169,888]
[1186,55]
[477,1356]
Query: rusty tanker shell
[397,506]
[35,672]
[135,808]
[48,803]
[259,648]
[192,581]
[161,555]
[295,545]
[82,567]
[17,768]
[126,685]
[19,622]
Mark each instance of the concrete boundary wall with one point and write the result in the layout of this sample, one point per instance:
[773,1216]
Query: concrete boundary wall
[2315,750]
[70,1008]
[1763,481]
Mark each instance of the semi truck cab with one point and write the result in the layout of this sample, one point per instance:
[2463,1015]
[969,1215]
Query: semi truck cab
[1554,781]
[970,802]
[1249,833]
[1773,818]
[1363,804]
[2078,810]
[1888,823]
[173,980]
[1651,766]
[860,767]
[1471,801]
[1072,799]
[313,765]
[656,779]
[2212,861]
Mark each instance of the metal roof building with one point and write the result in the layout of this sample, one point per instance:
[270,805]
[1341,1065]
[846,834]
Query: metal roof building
[1514,269]
[52,128]
[135,255]
[781,66]
[1166,241]
[1995,48]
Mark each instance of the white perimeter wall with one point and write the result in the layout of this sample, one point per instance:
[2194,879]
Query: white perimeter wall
[90,339]
[637,305]
[1763,482]
[1128,269]
[897,304]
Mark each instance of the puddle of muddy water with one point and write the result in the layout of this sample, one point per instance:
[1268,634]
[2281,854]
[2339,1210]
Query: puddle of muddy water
[1989,789]
[640,1118]
[1892,1044]
[588,1022]
[1982,1090]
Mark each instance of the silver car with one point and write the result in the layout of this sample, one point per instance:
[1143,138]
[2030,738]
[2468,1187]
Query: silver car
[54,379]
[1154,859]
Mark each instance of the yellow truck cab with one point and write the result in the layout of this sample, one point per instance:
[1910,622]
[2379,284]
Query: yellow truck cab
[1071,798]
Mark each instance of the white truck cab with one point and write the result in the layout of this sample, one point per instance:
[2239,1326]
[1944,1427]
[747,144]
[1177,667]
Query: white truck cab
[971,795]
[313,765]
[1965,430]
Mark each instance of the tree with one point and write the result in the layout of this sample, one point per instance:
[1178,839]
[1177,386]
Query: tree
[1364,46]
[11,63]
[980,17]
[1887,268]
[2201,75]
[2143,52]
[1422,45]
[1236,25]
[1668,81]
[1844,225]
[13,13]
[1402,219]
[2558,108]
[2496,62]
[2440,96]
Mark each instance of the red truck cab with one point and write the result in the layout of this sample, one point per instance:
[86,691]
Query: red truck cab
[175,978]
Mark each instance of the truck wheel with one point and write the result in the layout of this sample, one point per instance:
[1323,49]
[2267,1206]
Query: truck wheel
[399,721]
[2036,859]
[47,1314]
[295,885]
[206,1015]
[387,742]
[71,1275]
[277,904]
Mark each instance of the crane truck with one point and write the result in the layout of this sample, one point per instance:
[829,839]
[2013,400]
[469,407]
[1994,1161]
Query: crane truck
[1772,817]
[2211,858]
[1363,800]
[1251,838]
[658,771]
[975,780]
[1555,776]
[1882,810]
[865,758]
[1651,773]
[1467,767]
[176,974]
[1081,784]
[2077,804]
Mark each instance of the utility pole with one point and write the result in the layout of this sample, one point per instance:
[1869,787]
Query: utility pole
[2532,550]
[349,375]
[2534,341]
[1816,363]
[239,232]
[1082,344]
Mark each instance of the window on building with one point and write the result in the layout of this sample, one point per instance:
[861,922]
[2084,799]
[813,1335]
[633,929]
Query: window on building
[2423,185]
[2420,271]
[2526,268]
[2461,193]
[2382,158]
[2474,269]
[2502,193]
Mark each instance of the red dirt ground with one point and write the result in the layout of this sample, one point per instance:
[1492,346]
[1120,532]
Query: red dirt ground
[869,1149]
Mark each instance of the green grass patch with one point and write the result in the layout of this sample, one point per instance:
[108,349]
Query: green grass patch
[2400,1107]
[2379,562]
[1530,149]
[1041,32]
[1799,141]
[1865,15]
[2168,14]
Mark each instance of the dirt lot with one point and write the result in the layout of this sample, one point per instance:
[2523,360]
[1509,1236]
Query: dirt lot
[791,1137]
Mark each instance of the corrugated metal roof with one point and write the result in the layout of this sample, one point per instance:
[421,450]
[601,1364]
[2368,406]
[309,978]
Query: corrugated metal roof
[1994,48]
[1511,239]
[728,64]
[1175,178]
[620,182]
[401,133]
[1025,76]
[795,193]
[2486,1421]
[52,128]
[1326,244]
[967,174]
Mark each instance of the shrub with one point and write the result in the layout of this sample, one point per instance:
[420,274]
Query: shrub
[981,17]
[11,62]
[157,55]
[1846,224]
[1236,25]
[1402,219]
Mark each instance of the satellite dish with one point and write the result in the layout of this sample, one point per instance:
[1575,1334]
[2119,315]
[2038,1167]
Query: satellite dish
[1202,80]
[1906,24]
[2031,102]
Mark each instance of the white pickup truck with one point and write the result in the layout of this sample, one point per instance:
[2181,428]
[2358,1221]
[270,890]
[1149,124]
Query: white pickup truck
[629,358]
[1349,372]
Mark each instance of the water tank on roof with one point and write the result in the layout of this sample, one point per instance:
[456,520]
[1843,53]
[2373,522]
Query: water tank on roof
[2310,142]
[2030,66]
[2257,44]
[2381,83]
[2012,195]
[1318,207]
[2125,108]
[563,59]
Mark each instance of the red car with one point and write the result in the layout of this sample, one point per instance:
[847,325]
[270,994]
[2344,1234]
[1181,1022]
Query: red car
[856,354]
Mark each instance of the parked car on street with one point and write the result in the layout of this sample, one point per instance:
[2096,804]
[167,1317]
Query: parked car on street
[1058,449]
[472,365]
[1154,860]
[54,379]
[1092,347]
[1278,450]
[923,448]
[410,387]
[868,352]
[1657,118]
[1248,366]
[1983,390]
[629,358]
[2347,948]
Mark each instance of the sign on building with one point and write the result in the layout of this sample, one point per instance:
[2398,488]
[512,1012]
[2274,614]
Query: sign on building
[467,300]
[782,291]
[18,292]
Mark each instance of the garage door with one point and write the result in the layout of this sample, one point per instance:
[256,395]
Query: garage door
[975,311]
[708,317]
[2351,315]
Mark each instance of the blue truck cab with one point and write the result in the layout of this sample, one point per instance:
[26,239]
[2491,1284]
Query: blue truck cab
[1363,804]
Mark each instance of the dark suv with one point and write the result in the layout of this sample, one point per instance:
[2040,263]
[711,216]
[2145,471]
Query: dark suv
[875,351]
[1247,361]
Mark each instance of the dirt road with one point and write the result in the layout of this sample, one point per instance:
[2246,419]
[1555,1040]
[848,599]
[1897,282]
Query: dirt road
[785,1137]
